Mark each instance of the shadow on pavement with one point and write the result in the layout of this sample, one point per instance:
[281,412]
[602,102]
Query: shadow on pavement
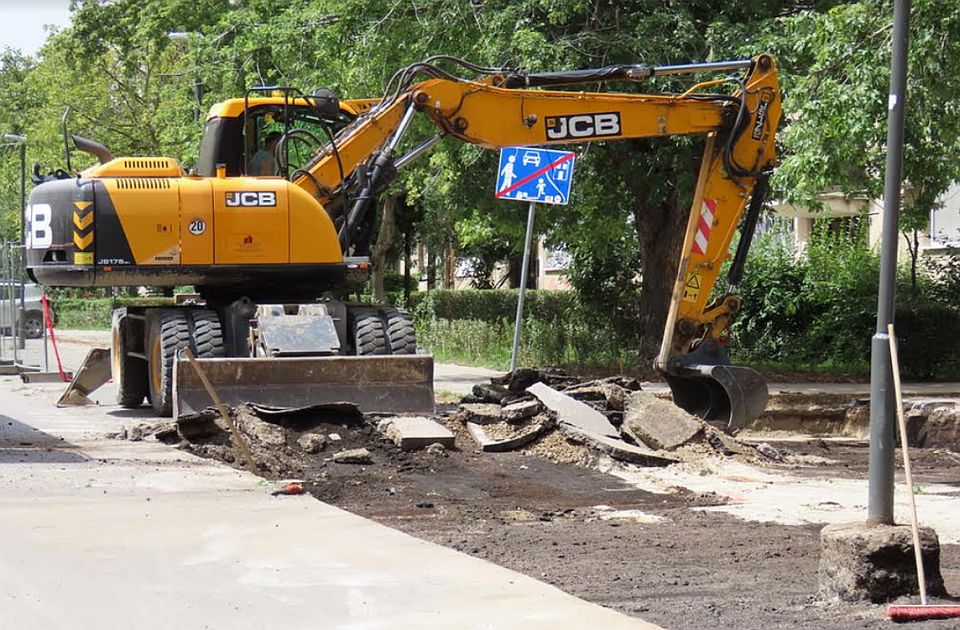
[140,413]
[22,444]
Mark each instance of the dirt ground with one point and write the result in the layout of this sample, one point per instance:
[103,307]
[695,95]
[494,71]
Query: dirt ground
[649,555]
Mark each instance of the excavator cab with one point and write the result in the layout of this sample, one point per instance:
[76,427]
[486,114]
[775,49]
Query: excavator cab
[237,128]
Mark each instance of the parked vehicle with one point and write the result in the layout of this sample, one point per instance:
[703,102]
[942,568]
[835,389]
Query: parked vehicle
[29,311]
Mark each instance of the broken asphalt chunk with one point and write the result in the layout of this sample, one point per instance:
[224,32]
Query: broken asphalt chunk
[353,456]
[481,413]
[521,410]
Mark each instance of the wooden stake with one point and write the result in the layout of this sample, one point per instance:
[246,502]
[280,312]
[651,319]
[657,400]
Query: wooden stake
[238,438]
[914,525]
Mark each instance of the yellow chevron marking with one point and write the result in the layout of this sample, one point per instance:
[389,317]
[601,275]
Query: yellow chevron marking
[82,205]
[84,222]
[82,242]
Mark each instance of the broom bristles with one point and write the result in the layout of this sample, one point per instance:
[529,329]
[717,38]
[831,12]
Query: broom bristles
[916,612]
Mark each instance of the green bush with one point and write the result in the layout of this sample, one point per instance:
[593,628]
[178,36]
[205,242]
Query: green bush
[929,340]
[818,310]
[83,314]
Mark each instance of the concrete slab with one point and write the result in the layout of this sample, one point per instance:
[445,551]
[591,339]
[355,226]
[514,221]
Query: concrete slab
[617,448]
[573,412]
[415,432]
[521,410]
[658,423]
[116,534]
[489,445]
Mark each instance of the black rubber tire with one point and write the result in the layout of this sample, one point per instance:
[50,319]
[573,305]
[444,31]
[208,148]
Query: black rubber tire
[129,373]
[169,332]
[398,326]
[32,323]
[366,333]
[207,334]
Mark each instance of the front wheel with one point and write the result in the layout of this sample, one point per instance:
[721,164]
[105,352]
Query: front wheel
[168,334]
[129,373]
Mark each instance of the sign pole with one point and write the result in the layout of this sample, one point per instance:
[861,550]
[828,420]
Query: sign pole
[525,268]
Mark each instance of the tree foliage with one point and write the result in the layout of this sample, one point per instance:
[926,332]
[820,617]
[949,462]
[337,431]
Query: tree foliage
[131,87]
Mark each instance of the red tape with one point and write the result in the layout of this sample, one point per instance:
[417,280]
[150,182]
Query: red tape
[48,322]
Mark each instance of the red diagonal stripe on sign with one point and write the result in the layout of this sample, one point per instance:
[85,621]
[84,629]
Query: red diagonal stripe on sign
[507,191]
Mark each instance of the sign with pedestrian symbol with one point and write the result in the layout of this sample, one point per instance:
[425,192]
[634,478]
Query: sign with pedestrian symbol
[535,175]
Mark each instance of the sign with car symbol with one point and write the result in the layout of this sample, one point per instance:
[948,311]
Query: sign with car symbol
[535,175]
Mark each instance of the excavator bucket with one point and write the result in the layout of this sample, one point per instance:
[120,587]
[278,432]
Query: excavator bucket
[375,384]
[727,396]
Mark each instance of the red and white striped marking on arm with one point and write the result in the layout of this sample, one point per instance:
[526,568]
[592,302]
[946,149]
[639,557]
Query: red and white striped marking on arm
[700,239]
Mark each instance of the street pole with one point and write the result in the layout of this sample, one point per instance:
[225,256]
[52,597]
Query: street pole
[882,399]
[524,269]
[18,334]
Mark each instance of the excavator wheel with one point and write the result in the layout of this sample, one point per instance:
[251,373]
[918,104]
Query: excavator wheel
[207,334]
[129,373]
[366,331]
[168,333]
[398,325]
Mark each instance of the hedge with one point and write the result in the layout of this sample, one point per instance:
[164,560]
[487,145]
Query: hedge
[476,326]
[93,313]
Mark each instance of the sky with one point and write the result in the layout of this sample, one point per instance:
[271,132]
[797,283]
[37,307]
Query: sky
[22,22]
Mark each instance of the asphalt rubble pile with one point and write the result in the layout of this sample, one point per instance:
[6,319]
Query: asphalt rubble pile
[548,412]
[304,443]
[543,412]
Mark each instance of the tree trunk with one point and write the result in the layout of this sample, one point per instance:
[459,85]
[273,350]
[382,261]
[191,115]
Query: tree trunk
[660,231]
[385,237]
[431,270]
[449,268]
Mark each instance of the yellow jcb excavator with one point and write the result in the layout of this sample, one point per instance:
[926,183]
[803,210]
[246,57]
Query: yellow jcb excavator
[265,252]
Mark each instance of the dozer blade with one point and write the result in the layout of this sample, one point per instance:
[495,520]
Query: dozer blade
[727,396]
[378,384]
[94,372]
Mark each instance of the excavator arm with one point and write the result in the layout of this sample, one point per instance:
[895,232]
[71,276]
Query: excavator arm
[507,109]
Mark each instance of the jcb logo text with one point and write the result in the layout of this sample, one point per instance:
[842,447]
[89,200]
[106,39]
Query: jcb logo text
[251,199]
[583,126]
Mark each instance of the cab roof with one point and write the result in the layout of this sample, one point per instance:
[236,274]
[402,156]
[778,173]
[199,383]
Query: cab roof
[233,108]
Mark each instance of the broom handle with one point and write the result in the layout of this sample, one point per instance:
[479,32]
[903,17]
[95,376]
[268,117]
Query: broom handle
[914,526]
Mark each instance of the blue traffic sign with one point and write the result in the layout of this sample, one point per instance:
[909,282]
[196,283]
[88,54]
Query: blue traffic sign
[538,175]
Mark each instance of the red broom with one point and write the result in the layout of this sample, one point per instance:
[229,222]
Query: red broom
[922,611]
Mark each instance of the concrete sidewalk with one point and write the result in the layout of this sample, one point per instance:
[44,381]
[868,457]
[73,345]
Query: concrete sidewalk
[99,533]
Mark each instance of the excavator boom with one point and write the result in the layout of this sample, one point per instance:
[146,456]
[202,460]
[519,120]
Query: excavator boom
[739,153]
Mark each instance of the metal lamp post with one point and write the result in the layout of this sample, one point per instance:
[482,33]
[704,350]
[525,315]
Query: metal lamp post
[882,400]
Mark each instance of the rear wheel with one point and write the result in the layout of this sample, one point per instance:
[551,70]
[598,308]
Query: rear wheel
[398,326]
[33,324]
[169,332]
[207,334]
[129,373]
[366,332]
